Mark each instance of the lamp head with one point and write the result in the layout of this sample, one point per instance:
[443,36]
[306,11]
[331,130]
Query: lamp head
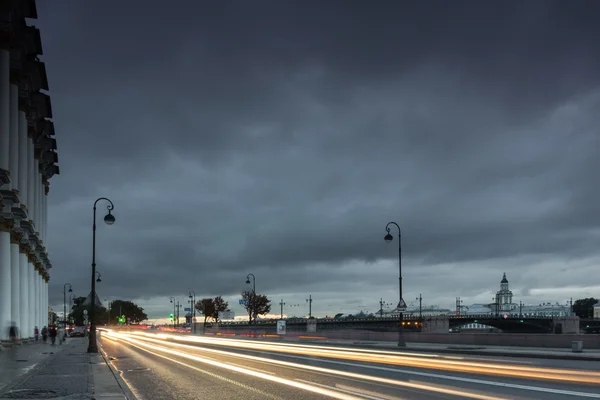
[98,280]
[388,238]
[109,219]
[70,290]
[247,281]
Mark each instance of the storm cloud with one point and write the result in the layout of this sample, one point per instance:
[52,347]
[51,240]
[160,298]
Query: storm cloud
[280,137]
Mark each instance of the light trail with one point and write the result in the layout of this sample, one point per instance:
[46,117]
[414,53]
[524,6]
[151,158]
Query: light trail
[382,357]
[143,344]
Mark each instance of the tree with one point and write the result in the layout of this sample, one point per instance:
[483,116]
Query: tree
[78,316]
[53,317]
[584,308]
[256,305]
[211,308]
[206,307]
[219,305]
[128,309]
[338,315]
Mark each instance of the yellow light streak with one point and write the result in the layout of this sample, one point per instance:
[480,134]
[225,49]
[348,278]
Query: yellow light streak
[364,355]
[143,343]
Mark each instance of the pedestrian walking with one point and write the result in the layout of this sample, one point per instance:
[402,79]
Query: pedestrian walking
[13,333]
[44,334]
[53,333]
[36,333]
[61,335]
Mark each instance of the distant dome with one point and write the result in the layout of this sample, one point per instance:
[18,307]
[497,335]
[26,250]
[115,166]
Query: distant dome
[504,280]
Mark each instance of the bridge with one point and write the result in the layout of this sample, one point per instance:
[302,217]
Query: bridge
[512,324]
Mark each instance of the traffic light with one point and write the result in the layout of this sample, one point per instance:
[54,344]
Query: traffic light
[171,316]
[121,319]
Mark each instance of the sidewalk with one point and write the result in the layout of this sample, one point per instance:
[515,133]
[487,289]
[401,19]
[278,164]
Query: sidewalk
[19,360]
[68,372]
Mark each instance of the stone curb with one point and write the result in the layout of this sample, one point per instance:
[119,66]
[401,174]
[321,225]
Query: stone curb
[117,375]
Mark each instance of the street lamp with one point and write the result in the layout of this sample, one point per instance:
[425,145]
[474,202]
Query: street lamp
[172,300]
[178,308]
[389,238]
[193,313]
[109,219]
[65,300]
[99,277]
[252,310]
[420,298]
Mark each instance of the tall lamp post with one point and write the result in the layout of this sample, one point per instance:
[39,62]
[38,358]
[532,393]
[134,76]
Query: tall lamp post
[65,300]
[389,238]
[252,306]
[178,308]
[420,298]
[109,219]
[173,301]
[193,311]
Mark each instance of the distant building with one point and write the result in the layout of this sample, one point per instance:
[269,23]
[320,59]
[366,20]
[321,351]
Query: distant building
[504,297]
[597,311]
[503,304]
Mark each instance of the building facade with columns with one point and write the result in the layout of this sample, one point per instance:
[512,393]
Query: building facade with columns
[28,160]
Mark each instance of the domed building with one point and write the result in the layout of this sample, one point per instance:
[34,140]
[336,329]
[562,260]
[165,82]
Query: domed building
[504,298]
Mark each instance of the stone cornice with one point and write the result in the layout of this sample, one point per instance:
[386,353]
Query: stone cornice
[40,106]
[4,178]
[32,78]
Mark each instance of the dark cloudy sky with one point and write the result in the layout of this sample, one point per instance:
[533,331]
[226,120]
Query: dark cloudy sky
[279,138]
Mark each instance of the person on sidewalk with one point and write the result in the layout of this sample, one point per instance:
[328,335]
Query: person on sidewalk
[62,335]
[13,333]
[44,334]
[53,333]
[36,333]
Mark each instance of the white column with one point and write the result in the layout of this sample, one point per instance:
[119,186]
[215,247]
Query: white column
[4,109]
[45,302]
[36,196]
[43,212]
[13,156]
[23,295]
[40,299]
[38,303]
[13,152]
[31,303]
[5,286]
[45,215]
[30,180]
[37,299]
[15,287]
[4,164]
[23,139]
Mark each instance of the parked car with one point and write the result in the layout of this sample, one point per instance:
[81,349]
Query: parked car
[79,331]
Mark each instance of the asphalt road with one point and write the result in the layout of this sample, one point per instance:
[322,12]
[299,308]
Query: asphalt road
[165,366]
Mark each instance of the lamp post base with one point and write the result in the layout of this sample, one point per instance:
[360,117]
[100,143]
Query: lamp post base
[93,344]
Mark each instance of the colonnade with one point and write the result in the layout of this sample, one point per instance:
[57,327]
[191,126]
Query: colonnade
[27,162]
